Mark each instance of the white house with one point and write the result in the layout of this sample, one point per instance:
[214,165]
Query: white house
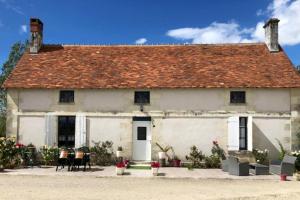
[242,95]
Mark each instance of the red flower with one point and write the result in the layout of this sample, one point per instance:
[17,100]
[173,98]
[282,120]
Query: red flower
[19,145]
[120,165]
[155,165]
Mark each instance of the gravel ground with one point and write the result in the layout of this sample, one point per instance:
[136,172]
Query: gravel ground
[28,187]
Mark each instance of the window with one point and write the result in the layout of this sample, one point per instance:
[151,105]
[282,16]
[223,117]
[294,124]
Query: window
[142,97]
[66,96]
[237,97]
[66,131]
[141,133]
[243,133]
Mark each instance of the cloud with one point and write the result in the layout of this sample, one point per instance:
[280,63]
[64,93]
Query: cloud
[10,6]
[23,29]
[141,41]
[216,32]
[288,11]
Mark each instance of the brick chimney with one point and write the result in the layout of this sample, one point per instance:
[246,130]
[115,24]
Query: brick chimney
[271,34]
[36,40]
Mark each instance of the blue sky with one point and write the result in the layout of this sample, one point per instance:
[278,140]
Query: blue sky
[149,22]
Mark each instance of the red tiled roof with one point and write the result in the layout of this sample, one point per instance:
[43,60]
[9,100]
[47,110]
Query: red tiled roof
[161,66]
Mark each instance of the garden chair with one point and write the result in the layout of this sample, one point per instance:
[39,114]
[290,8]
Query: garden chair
[237,168]
[286,166]
[224,165]
[86,157]
[78,160]
[63,159]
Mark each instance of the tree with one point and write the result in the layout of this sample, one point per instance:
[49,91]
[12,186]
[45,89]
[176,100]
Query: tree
[15,54]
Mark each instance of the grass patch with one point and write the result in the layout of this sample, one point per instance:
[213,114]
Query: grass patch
[140,167]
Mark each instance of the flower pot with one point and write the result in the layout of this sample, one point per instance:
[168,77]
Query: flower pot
[162,155]
[120,170]
[283,177]
[176,163]
[154,171]
[119,154]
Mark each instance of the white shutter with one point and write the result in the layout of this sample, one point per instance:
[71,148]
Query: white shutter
[50,133]
[249,134]
[80,131]
[233,133]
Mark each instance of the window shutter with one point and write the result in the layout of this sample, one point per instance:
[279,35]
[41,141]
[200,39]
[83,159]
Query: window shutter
[233,133]
[80,131]
[249,134]
[50,133]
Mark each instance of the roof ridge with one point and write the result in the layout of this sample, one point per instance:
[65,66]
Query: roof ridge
[153,45]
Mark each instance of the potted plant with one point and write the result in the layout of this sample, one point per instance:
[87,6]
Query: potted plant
[126,163]
[120,168]
[162,154]
[154,168]
[119,152]
[176,162]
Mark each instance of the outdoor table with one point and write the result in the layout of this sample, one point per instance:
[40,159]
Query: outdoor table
[258,169]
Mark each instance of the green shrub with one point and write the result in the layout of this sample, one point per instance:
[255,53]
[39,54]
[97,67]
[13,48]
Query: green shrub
[196,157]
[49,155]
[297,162]
[218,151]
[212,161]
[282,150]
[9,155]
[102,153]
[261,157]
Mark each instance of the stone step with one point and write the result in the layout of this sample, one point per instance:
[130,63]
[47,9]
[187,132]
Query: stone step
[132,162]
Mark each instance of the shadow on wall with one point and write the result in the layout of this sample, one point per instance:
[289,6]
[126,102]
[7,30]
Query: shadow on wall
[260,141]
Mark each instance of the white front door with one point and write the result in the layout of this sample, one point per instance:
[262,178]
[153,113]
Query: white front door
[141,140]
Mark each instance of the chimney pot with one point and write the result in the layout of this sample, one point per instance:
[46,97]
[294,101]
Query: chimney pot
[36,29]
[271,34]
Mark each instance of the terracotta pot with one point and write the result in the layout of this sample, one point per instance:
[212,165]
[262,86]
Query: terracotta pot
[176,163]
[120,170]
[154,171]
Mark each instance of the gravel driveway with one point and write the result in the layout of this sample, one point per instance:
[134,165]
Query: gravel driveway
[72,187]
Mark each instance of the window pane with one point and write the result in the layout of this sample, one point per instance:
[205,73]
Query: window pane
[142,97]
[243,121]
[66,96]
[242,133]
[242,143]
[237,97]
[141,133]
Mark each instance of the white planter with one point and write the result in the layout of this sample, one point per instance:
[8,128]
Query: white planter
[120,170]
[154,171]
[162,155]
[119,154]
